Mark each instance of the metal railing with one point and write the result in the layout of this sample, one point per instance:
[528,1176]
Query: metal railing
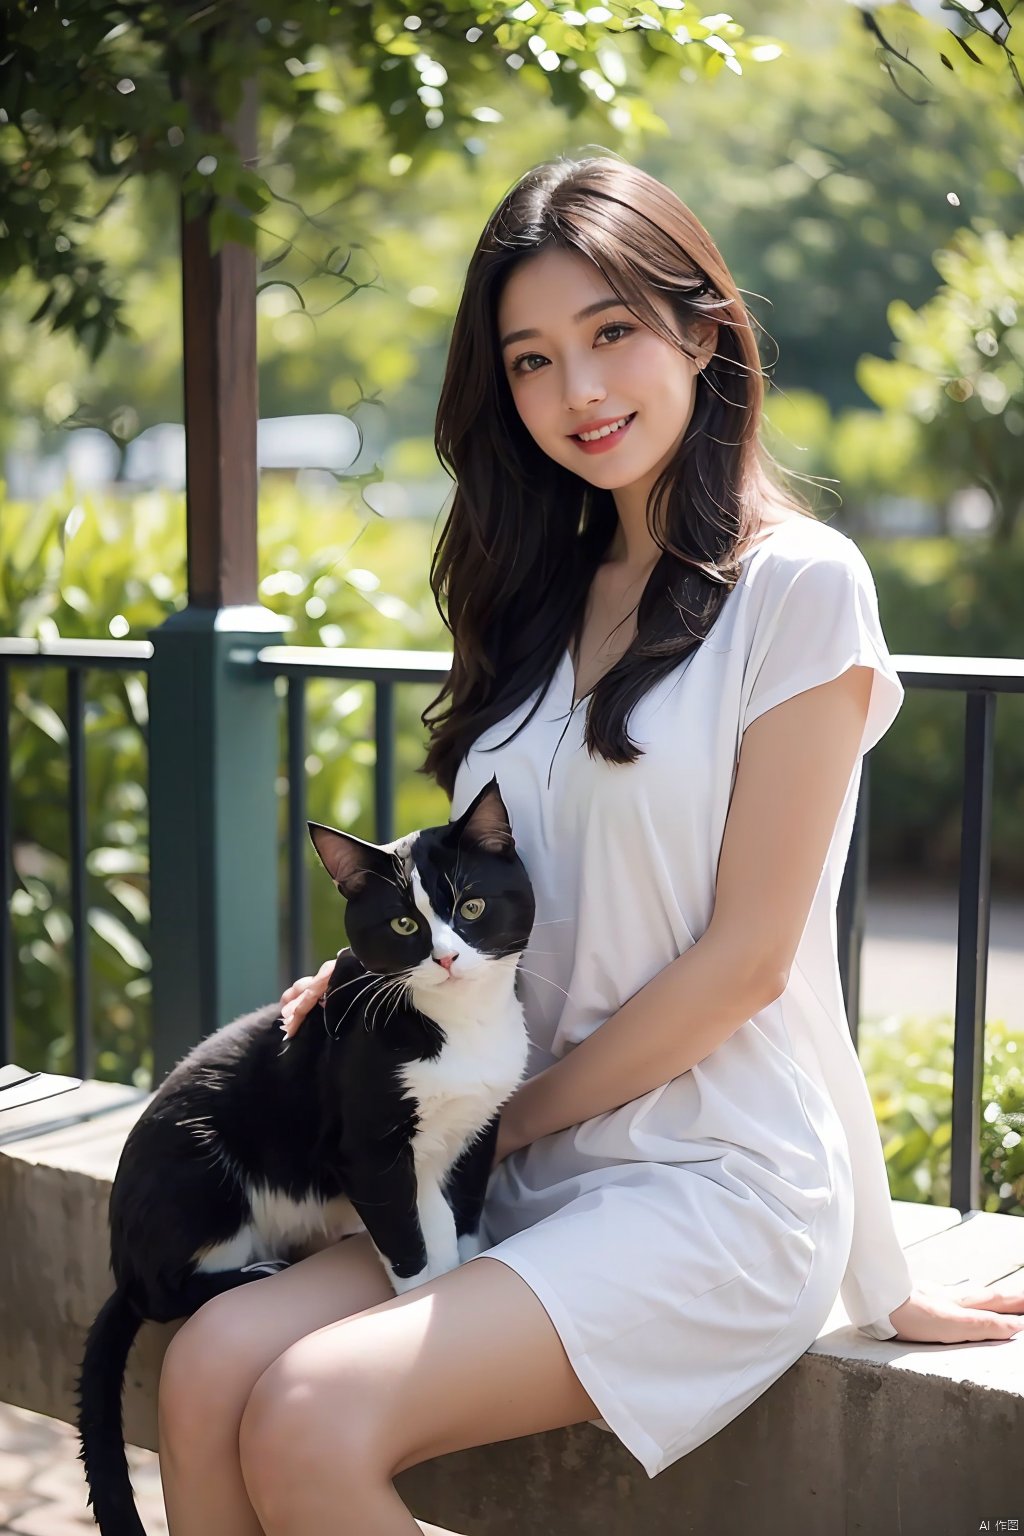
[73,657]
[981,680]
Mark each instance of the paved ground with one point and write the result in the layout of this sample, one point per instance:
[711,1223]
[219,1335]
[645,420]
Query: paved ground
[909,966]
[42,1492]
[909,961]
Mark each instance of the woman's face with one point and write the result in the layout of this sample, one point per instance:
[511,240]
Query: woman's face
[597,368]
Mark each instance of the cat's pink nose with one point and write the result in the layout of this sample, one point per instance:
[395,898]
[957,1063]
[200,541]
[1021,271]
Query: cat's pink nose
[446,960]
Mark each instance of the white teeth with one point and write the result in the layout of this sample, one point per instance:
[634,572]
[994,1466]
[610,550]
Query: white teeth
[591,437]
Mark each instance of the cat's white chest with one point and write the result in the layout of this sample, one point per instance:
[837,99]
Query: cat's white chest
[459,1091]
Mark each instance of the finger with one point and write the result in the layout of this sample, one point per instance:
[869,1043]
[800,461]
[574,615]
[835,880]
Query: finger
[297,1009]
[293,1015]
[303,1003]
[296,988]
[999,1326]
[974,1325]
[993,1299]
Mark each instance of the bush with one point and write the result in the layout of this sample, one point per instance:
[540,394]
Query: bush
[908,1063]
[112,567]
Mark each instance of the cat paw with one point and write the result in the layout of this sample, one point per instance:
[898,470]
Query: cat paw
[470,1244]
[402,1283]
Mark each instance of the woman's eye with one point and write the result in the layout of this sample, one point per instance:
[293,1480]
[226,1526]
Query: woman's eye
[472,908]
[404,925]
[524,357]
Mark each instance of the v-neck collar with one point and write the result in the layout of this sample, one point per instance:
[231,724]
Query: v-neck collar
[566,663]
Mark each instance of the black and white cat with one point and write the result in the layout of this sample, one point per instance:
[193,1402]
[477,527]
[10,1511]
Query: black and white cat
[379,1114]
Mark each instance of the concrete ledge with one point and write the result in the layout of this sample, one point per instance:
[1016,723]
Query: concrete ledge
[859,1436]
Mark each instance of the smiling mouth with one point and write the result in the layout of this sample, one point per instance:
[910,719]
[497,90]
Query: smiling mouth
[578,439]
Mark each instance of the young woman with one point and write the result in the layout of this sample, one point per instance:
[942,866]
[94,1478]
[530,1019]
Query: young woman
[675,672]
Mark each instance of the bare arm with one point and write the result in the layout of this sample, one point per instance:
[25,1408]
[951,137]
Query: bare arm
[794,769]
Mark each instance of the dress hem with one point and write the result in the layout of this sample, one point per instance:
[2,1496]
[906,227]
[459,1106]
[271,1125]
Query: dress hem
[618,1418]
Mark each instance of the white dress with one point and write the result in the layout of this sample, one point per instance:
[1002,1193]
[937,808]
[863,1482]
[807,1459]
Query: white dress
[689,1245]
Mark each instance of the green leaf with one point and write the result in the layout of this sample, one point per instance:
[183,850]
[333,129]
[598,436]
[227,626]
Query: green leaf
[42,717]
[117,861]
[227,225]
[113,932]
[134,901]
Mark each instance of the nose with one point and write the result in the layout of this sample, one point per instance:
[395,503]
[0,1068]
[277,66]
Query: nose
[583,398]
[582,390]
[446,960]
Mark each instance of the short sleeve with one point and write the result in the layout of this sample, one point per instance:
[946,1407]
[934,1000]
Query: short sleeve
[824,622]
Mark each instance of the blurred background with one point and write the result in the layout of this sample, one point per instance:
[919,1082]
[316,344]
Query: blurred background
[862,175]
[860,167]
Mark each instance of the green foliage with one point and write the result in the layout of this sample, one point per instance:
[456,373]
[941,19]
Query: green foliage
[110,567]
[984,22]
[95,93]
[796,180]
[827,190]
[959,368]
[908,1063]
[853,457]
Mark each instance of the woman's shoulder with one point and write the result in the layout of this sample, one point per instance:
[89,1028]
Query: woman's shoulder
[798,542]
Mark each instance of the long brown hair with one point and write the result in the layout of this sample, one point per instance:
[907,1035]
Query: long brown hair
[525,535]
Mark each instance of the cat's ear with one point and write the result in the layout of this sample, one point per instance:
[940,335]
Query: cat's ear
[349,860]
[485,822]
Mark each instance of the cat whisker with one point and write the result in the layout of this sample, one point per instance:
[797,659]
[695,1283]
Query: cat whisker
[375,1005]
[395,984]
[404,989]
[554,984]
[368,980]
[386,878]
[352,981]
[370,983]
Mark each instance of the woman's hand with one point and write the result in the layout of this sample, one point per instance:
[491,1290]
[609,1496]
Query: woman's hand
[302,995]
[937,1315]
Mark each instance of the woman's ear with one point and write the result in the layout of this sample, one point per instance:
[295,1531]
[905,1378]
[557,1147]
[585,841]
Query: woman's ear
[703,336]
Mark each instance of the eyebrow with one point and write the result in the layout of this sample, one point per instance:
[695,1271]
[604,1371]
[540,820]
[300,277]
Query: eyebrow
[584,314]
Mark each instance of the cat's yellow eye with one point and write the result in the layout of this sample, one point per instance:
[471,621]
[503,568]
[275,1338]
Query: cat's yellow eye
[405,926]
[472,908]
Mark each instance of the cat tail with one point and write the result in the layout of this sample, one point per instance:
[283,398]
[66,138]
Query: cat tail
[100,1426]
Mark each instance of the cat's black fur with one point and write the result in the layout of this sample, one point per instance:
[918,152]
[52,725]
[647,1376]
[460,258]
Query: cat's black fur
[381,1112]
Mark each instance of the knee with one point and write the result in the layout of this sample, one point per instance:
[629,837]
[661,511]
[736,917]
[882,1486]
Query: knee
[203,1377]
[277,1438]
[292,1436]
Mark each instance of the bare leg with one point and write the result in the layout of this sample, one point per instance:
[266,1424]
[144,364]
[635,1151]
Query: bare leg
[343,1411]
[215,1359]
